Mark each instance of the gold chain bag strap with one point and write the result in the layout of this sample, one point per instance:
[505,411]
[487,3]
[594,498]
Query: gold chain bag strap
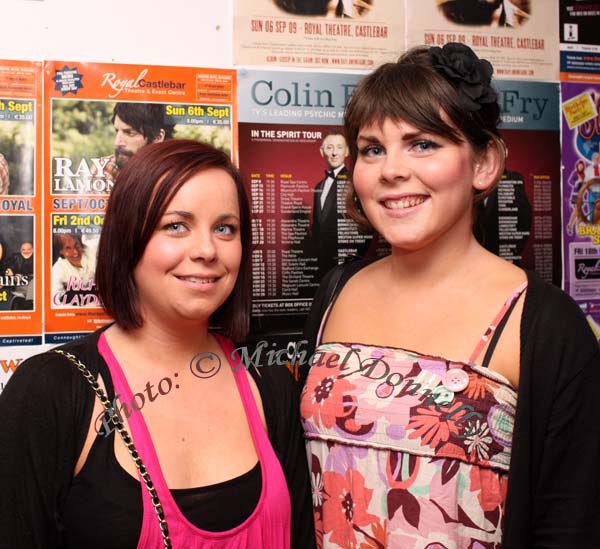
[116,421]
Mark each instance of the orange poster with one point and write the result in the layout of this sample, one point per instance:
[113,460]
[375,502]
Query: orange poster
[20,204]
[96,117]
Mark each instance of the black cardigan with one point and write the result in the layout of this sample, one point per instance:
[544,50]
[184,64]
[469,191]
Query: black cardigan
[553,498]
[45,413]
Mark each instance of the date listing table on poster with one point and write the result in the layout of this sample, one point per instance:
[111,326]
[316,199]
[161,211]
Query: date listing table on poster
[263,193]
[264,234]
[264,273]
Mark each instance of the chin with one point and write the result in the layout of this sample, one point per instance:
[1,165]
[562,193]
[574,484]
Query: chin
[407,243]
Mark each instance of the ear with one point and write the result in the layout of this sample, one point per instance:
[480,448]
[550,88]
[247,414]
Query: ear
[489,166]
[321,151]
[160,137]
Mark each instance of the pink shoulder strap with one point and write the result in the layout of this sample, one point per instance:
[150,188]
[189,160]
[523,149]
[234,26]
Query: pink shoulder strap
[498,318]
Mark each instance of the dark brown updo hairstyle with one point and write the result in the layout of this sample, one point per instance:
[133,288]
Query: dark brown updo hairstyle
[444,91]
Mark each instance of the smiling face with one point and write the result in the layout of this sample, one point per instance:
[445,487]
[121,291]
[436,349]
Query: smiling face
[192,260]
[71,250]
[415,188]
[334,150]
[26,250]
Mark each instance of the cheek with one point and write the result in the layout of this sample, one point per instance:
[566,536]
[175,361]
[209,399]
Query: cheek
[448,173]
[160,255]
[234,257]
[363,180]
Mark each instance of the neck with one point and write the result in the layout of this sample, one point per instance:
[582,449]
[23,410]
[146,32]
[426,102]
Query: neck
[163,343]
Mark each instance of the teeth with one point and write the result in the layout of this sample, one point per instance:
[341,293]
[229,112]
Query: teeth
[197,280]
[404,202]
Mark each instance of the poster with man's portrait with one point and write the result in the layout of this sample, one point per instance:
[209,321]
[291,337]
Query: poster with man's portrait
[329,34]
[97,117]
[20,204]
[519,37]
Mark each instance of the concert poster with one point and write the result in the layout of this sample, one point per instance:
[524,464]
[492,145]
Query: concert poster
[97,116]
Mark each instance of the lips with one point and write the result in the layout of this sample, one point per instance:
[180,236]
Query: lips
[404,202]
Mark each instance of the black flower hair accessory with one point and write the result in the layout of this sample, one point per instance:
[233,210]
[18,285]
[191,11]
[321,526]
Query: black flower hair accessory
[470,75]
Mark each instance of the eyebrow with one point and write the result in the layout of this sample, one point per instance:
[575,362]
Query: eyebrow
[408,136]
[189,215]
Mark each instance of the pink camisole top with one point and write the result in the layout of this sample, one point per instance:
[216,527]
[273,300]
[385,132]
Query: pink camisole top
[269,524]
[408,450]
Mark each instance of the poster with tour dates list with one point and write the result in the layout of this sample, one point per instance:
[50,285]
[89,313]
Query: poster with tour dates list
[294,159]
[97,116]
[523,215]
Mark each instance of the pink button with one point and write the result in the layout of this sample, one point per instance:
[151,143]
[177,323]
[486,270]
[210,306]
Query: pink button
[455,380]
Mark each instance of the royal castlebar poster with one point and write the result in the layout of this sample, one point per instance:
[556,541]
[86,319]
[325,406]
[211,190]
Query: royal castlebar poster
[20,209]
[97,116]
[519,37]
[340,34]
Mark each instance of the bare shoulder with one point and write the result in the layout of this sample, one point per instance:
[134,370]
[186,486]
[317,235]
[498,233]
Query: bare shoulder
[351,311]
[366,280]
[501,283]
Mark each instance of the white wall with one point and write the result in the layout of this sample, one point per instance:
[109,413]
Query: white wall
[175,32]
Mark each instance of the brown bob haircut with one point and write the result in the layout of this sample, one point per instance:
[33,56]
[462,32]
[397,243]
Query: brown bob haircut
[145,186]
[412,90]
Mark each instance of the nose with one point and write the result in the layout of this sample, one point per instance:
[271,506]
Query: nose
[395,167]
[119,140]
[203,248]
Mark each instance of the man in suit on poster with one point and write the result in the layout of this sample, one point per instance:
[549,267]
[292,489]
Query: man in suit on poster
[324,227]
[327,8]
[495,13]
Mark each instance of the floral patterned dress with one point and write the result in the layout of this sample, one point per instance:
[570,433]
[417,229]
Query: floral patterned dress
[407,450]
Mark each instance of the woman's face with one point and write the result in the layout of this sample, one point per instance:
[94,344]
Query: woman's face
[192,260]
[415,187]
